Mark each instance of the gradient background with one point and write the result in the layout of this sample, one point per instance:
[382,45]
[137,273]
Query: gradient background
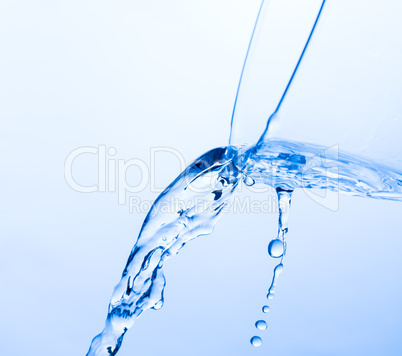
[135,75]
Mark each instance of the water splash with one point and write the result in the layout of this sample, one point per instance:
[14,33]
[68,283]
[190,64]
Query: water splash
[195,201]
[285,166]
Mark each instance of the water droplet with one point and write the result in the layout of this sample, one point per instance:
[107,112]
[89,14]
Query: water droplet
[249,181]
[265,309]
[275,248]
[261,325]
[278,269]
[256,341]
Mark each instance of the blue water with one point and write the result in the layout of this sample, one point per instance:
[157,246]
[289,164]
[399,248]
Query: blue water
[193,203]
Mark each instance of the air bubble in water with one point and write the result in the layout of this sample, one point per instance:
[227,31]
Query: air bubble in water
[261,325]
[256,341]
[158,305]
[265,309]
[275,248]
[249,181]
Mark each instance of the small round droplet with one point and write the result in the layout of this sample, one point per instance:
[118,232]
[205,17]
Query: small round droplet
[256,341]
[275,248]
[265,309]
[270,295]
[278,270]
[261,325]
[249,181]
[164,238]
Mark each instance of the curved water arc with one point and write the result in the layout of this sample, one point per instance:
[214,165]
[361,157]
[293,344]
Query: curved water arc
[273,163]
[264,135]
[242,70]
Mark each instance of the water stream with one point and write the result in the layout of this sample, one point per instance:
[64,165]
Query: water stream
[193,203]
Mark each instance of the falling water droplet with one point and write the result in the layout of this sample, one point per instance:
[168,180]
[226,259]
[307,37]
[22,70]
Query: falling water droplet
[265,309]
[261,325]
[256,341]
[164,238]
[275,248]
[277,271]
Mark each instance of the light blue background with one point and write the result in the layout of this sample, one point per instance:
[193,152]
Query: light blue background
[135,75]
